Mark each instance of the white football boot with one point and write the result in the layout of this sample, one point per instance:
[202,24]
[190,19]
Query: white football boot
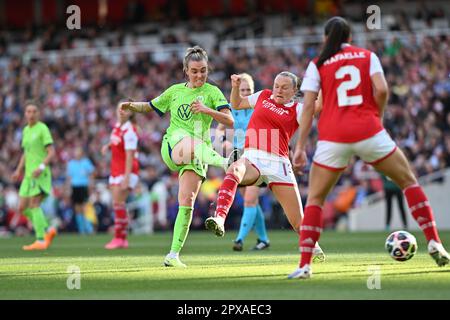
[438,253]
[216,225]
[301,273]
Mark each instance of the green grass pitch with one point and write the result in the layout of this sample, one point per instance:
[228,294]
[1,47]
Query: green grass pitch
[215,271]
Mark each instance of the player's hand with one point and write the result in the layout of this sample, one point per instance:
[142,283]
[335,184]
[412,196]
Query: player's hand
[299,161]
[124,106]
[105,149]
[235,80]
[15,176]
[198,107]
[37,173]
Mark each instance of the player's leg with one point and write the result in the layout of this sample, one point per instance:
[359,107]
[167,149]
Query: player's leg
[397,168]
[248,218]
[120,218]
[401,208]
[189,149]
[321,181]
[39,223]
[240,172]
[189,185]
[260,229]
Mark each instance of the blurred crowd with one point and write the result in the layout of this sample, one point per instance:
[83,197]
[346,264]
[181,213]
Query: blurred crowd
[79,96]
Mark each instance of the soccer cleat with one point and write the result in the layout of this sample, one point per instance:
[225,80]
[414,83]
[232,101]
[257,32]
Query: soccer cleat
[117,243]
[238,245]
[50,235]
[216,225]
[438,253]
[232,157]
[318,255]
[173,262]
[261,245]
[301,273]
[37,245]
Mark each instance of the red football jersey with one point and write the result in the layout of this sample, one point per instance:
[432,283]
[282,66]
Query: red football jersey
[349,112]
[271,125]
[123,138]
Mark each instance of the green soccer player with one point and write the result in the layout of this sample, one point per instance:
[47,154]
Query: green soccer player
[38,150]
[186,146]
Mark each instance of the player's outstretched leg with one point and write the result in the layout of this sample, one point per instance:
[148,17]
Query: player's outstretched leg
[180,232]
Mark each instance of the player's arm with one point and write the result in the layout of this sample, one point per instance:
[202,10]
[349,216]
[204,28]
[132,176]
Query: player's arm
[237,102]
[140,107]
[300,159]
[19,168]
[379,84]
[318,104]
[50,154]
[129,156]
[380,91]
[223,116]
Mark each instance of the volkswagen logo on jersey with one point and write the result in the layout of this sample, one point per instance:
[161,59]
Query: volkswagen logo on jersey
[184,112]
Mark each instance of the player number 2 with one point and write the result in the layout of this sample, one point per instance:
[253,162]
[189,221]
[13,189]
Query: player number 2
[344,99]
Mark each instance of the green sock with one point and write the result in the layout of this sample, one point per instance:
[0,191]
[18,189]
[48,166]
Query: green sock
[39,222]
[206,154]
[181,228]
[27,213]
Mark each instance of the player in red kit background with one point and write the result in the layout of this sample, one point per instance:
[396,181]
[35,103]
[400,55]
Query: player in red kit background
[124,173]
[355,93]
[266,151]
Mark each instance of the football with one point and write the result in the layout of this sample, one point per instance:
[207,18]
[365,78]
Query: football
[401,245]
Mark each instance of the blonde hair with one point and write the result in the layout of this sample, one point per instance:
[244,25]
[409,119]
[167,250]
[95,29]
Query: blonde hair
[249,79]
[195,53]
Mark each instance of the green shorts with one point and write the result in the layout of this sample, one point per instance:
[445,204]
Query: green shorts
[31,187]
[166,153]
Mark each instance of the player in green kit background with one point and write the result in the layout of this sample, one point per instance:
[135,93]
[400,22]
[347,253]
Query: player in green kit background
[38,150]
[186,146]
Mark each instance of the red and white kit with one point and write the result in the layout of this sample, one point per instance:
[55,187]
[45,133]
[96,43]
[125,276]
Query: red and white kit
[350,121]
[271,127]
[123,138]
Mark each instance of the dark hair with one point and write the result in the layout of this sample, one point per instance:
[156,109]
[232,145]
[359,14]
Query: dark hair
[195,53]
[32,102]
[337,31]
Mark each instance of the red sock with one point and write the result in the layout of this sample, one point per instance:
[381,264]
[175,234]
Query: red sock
[420,208]
[120,221]
[310,232]
[226,194]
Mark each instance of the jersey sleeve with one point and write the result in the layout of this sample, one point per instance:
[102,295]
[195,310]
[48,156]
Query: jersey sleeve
[46,136]
[253,98]
[299,111]
[162,103]
[130,140]
[219,101]
[89,166]
[311,80]
[375,64]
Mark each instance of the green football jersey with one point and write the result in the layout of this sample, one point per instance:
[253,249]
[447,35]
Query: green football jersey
[35,139]
[177,100]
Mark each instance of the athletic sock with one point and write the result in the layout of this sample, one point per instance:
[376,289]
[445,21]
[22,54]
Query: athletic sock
[205,154]
[420,209]
[39,222]
[247,222]
[120,221]
[181,228]
[260,225]
[310,232]
[226,194]
[79,219]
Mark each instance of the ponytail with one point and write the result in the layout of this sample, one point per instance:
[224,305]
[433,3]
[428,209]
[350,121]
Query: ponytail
[337,31]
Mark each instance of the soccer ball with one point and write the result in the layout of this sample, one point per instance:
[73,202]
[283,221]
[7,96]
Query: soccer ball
[401,245]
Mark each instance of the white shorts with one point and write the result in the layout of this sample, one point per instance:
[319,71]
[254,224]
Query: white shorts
[273,169]
[134,179]
[335,156]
